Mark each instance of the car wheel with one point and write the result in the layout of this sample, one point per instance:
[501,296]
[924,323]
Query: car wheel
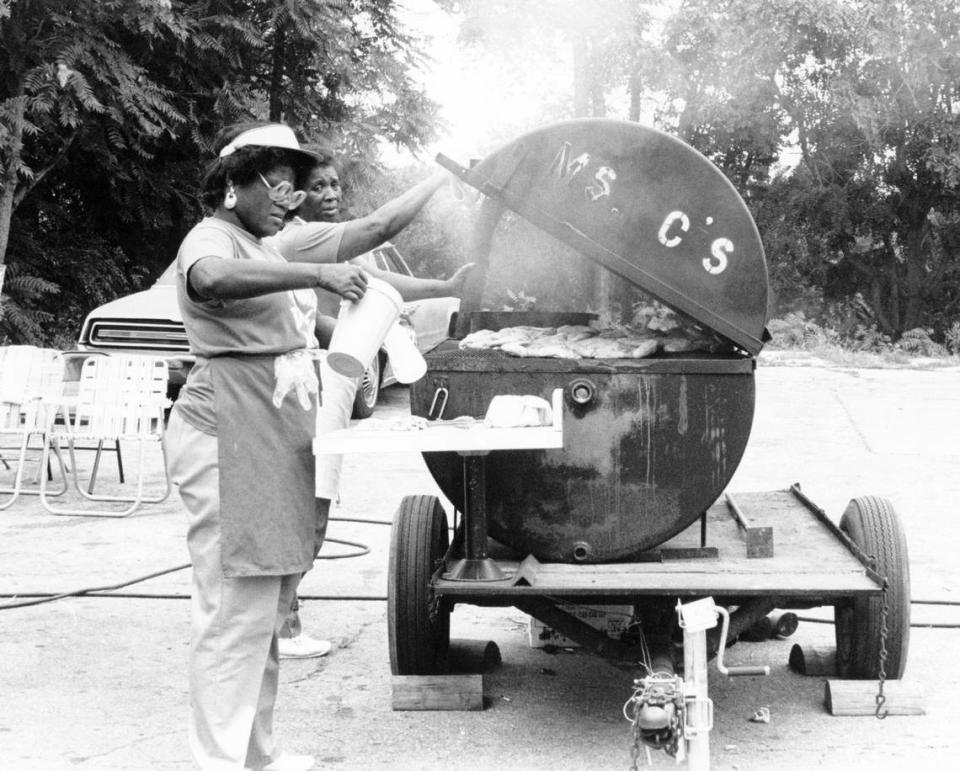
[368,390]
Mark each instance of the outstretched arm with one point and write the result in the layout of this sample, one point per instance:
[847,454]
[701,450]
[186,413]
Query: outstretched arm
[413,288]
[363,234]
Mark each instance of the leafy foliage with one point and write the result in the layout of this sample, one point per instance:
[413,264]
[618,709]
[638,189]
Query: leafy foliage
[837,120]
[867,92]
[795,330]
[19,319]
[918,341]
[952,338]
[108,109]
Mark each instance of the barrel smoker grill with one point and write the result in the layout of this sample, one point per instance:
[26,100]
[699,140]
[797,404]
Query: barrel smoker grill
[632,509]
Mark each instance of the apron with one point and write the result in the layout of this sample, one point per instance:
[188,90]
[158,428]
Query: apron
[267,504]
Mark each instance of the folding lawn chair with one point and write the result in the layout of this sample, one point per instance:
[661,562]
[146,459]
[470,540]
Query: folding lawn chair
[30,384]
[72,364]
[119,398]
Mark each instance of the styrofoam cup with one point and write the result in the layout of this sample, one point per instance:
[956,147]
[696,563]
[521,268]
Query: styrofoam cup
[405,359]
[362,326]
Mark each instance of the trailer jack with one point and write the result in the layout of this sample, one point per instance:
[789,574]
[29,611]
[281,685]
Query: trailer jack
[674,713]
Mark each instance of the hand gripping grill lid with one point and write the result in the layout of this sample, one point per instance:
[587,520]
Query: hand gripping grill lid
[645,206]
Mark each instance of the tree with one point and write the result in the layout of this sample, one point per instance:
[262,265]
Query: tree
[343,71]
[65,73]
[867,92]
[69,84]
[108,109]
[900,89]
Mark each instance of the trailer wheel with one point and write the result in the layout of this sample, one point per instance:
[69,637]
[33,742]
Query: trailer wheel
[419,634]
[873,525]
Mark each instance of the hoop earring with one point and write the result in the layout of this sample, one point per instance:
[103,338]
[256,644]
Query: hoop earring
[230,199]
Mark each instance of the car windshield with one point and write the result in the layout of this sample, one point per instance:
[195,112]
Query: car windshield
[388,258]
[169,276]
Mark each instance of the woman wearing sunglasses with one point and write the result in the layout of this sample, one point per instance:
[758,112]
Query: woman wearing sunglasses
[239,438]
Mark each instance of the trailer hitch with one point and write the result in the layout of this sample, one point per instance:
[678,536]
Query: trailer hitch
[674,713]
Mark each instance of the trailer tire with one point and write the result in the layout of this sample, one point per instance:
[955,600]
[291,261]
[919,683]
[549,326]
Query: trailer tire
[873,525]
[419,635]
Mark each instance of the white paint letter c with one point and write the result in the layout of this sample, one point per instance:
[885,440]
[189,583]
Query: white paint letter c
[668,223]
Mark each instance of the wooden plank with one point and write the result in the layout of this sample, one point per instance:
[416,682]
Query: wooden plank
[657,581]
[434,438]
[443,436]
[859,697]
[809,559]
[437,692]
[809,562]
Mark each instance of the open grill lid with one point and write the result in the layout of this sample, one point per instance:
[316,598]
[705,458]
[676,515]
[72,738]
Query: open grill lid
[645,206]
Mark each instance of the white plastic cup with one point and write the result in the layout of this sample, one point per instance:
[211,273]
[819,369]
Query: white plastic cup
[405,359]
[362,326]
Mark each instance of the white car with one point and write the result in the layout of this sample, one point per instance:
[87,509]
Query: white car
[149,322]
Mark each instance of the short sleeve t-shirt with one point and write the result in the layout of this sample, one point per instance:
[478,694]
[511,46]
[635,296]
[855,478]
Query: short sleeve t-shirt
[273,323]
[316,241]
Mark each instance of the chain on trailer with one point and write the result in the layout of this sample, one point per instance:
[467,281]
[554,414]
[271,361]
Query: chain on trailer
[882,668]
[880,713]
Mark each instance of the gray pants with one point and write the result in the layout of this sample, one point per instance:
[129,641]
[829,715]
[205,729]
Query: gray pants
[234,665]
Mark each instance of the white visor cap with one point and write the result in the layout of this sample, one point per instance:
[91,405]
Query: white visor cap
[272,135]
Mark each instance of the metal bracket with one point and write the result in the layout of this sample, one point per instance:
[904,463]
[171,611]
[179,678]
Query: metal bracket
[758,538]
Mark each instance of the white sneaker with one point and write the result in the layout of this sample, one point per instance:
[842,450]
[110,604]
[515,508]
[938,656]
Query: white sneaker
[286,762]
[303,647]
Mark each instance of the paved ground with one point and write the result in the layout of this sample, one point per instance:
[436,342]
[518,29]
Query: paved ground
[99,684]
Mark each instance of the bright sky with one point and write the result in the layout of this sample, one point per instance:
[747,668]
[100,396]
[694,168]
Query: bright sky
[476,102]
[486,106]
